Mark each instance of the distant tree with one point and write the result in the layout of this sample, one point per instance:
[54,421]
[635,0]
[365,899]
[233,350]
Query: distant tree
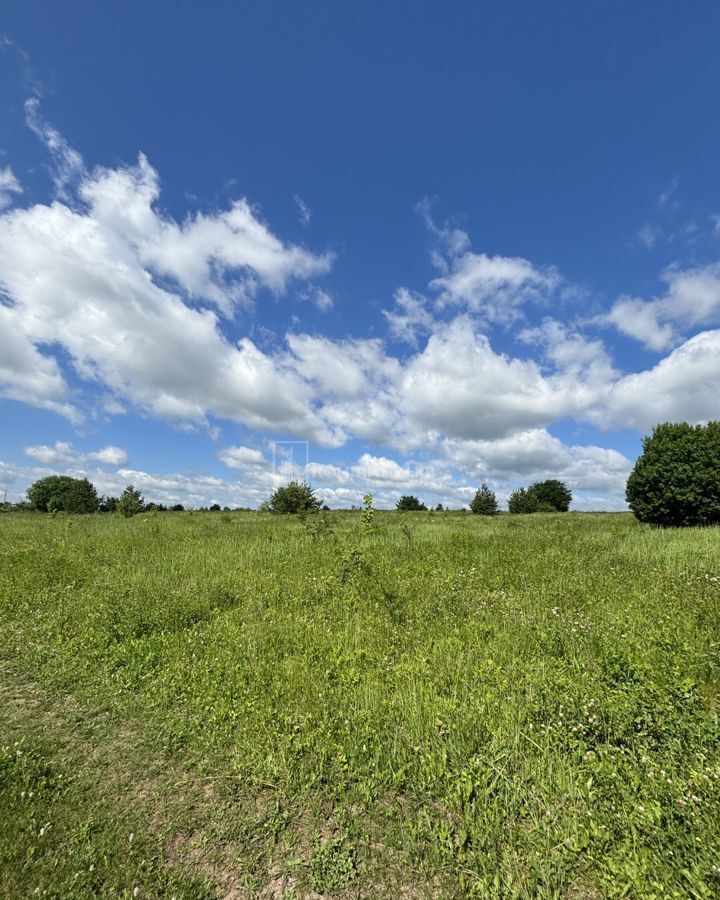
[522,501]
[296,497]
[409,503]
[676,479]
[178,507]
[63,493]
[130,502]
[439,508]
[108,504]
[484,503]
[216,507]
[551,495]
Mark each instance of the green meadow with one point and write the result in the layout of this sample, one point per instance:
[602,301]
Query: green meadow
[429,705]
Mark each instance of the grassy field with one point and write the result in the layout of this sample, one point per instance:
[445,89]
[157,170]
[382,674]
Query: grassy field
[202,705]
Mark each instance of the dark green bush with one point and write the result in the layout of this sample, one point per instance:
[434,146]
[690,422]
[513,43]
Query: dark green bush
[409,503]
[131,502]
[551,495]
[484,503]
[676,479]
[522,501]
[296,497]
[61,493]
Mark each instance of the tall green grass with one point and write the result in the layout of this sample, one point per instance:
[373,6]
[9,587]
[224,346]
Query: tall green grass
[440,704]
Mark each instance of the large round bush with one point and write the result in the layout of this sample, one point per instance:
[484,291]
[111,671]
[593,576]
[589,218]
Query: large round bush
[676,480]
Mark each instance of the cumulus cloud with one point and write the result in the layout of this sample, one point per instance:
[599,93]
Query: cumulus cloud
[459,386]
[494,287]
[683,386]
[346,369]
[571,353]
[28,375]
[536,455]
[104,289]
[242,457]
[63,453]
[410,318]
[691,299]
[223,257]
[326,473]
[82,278]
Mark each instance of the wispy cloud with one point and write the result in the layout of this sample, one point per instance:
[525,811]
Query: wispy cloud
[305,213]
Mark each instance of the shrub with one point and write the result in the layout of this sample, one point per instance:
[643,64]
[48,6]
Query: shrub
[130,502]
[484,503]
[551,495]
[296,497]
[522,501]
[676,479]
[62,493]
[408,503]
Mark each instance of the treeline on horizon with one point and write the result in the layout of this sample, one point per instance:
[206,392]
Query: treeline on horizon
[66,494]
[675,482]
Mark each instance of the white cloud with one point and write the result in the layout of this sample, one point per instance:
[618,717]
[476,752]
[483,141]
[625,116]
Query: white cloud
[347,369]
[410,318]
[683,386]
[222,257]
[28,375]
[63,453]
[104,287]
[322,300]
[81,279]
[9,185]
[692,299]
[639,319]
[536,455]
[572,353]
[327,473]
[305,213]
[111,456]
[242,457]
[460,387]
[493,286]
[68,165]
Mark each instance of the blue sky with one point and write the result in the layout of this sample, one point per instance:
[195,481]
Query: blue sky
[440,243]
